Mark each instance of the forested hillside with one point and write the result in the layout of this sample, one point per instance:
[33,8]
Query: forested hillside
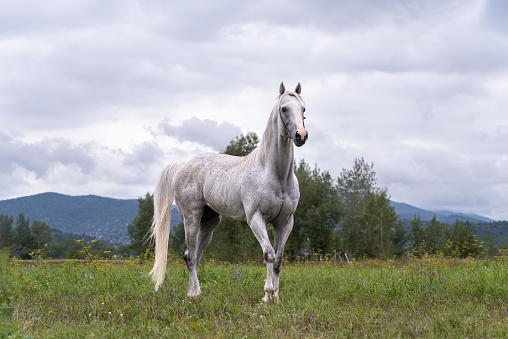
[103,218]
[497,230]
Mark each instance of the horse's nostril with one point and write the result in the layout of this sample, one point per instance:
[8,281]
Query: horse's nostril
[298,137]
[306,136]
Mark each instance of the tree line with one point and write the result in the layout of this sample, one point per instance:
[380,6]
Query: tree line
[36,240]
[23,238]
[334,214]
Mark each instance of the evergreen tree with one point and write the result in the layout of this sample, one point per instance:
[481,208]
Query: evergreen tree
[139,227]
[380,218]
[489,245]
[462,241]
[368,218]
[353,186]
[242,145]
[23,238]
[41,235]
[417,236]
[399,239]
[435,236]
[503,245]
[6,231]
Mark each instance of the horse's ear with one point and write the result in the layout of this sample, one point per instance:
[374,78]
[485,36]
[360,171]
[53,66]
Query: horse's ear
[282,89]
[298,89]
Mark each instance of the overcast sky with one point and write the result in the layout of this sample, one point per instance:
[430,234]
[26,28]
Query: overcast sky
[97,96]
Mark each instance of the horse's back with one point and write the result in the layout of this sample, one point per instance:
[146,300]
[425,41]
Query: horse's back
[211,179]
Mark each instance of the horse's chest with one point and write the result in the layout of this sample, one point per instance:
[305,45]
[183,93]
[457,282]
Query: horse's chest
[277,205]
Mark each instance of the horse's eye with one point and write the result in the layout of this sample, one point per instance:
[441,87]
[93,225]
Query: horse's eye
[284,109]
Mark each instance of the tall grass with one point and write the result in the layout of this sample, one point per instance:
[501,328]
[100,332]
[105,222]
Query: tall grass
[429,297]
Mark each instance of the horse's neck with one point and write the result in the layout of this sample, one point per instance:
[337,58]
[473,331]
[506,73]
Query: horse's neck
[275,151]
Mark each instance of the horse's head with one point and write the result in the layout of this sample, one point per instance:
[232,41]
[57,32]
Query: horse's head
[291,112]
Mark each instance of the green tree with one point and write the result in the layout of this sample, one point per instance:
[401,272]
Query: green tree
[380,218]
[23,238]
[57,250]
[139,227]
[489,245]
[353,186]
[503,245]
[72,249]
[399,239]
[435,237]
[242,145]
[368,218]
[462,241]
[41,235]
[318,211]
[6,231]
[417,236]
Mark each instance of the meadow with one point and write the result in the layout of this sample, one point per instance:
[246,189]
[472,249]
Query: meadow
[427,297]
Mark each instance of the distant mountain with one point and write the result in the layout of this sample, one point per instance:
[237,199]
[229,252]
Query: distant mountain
[482,225]
[103,218]
[472,216]
[407,212]
[107,218]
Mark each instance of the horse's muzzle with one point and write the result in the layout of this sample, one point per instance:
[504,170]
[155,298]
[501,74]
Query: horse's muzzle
[299,141]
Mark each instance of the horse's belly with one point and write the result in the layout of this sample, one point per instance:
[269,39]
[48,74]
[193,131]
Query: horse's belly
[232,210]
[224,199]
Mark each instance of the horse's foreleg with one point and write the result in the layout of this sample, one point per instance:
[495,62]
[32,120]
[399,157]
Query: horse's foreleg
[281,236]
[258,226]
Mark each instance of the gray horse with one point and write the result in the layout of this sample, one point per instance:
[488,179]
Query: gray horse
[259,188]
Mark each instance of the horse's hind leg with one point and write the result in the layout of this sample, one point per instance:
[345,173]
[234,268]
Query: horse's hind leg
[192,220]
[199,226]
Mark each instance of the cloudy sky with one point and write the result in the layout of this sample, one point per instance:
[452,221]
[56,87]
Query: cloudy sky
[96,97]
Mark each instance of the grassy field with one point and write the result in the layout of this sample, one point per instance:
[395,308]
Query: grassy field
[431,297]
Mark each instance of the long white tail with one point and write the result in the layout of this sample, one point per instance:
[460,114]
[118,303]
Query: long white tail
[163,197]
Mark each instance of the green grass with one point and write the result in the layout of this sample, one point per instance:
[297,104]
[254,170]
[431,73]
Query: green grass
[380,299]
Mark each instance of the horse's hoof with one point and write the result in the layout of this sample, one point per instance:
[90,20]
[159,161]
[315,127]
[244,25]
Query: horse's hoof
[267,297]
[272,300]
[271,296]
[193,295]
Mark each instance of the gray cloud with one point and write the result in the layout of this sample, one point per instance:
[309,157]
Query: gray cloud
[494,15]
[55,164]
[206,132]
[65,64]
[145,154]
[41,158]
